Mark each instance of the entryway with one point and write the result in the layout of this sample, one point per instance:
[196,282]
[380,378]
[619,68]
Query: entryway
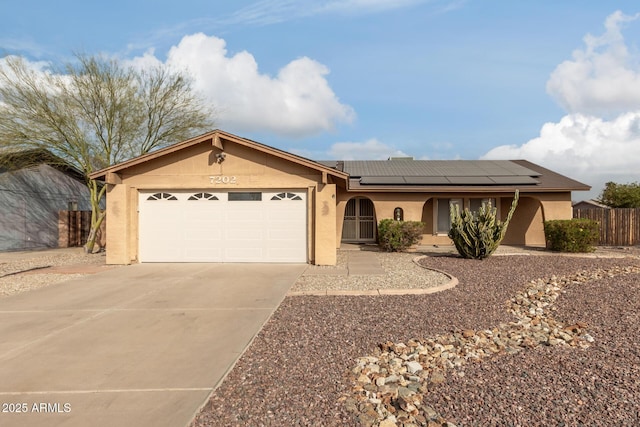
[359,224]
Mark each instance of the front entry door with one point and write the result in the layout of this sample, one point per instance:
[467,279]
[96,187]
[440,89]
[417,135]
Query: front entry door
[359,221]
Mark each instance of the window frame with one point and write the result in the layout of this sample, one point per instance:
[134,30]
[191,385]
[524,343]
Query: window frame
[464,202]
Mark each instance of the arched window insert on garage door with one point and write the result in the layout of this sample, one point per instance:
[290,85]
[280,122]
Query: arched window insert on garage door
[162,196]
[203,196]
[286,196]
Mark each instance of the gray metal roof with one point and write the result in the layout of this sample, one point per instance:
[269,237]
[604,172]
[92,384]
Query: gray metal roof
[406,174]
[436,168]
[439,172]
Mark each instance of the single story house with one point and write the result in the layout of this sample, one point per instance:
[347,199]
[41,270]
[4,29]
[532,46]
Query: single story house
[222,198]
[34,186]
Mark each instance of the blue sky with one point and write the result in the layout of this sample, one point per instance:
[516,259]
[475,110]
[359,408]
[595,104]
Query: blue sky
[555,82]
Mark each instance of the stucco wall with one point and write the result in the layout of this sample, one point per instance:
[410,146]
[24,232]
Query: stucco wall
[325,225]
[526,226]
[118,226]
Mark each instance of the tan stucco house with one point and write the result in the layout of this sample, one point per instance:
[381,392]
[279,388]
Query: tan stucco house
[222,198]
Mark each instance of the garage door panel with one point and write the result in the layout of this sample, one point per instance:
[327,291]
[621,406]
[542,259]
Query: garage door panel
[244,254]
[203,217]
[275,255]
[204,254]
[203,235]
[205,226]
[248,214]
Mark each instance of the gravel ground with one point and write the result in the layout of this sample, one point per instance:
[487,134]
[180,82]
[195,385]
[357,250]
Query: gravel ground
[562,386]
[19,271]
[401,272]
[295,371]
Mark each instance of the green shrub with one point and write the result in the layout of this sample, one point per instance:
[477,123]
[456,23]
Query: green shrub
[478,234]
[572,235]
[398,236]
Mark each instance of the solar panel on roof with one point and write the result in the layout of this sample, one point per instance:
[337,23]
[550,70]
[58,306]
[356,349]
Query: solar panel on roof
[514,180]
[470,180]
[426,180]
[381,180]
[436,168]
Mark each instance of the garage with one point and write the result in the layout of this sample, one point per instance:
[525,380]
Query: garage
[223,226]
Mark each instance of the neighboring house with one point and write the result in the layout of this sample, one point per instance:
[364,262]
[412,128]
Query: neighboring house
[34,186]
[590,204]
[222,198]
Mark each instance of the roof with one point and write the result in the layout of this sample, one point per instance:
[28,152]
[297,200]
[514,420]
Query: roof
[16,160]
[215,138]
[400,174]
[592,203]
[406,174]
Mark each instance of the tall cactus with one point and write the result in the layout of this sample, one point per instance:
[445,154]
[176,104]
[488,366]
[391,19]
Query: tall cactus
[478,234]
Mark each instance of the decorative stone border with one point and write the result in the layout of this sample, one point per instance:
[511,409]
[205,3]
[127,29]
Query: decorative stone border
[390,387]
[453,282]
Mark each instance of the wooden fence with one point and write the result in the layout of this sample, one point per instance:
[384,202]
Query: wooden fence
[74,227]
[618,227]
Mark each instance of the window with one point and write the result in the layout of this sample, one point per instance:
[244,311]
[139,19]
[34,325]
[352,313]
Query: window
[203,196]
[475,204]
[398,214]
[244,196]
[286,196]
[162,196]
[443,216]
[442,220]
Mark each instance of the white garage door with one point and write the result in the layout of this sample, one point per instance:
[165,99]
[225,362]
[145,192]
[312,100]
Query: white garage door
[229,226]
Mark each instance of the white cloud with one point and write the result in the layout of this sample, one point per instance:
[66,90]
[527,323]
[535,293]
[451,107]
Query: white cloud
[587,148]
[601,79]
[273,11]
[599,139]
[298,101]
[371,149]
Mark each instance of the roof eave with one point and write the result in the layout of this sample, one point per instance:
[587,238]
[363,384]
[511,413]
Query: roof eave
[210,136]
[463,189]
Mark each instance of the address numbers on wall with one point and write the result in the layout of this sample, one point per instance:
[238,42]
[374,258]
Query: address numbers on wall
[222,179]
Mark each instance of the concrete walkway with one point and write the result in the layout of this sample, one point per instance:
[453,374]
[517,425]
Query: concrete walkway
[141,345]
[363,262]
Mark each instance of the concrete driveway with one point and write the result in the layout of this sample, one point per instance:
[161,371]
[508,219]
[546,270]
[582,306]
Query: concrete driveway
[140,345]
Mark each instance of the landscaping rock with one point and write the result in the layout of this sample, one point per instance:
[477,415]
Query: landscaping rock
[434,358]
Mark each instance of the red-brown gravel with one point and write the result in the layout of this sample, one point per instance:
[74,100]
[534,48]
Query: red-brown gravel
[294,372]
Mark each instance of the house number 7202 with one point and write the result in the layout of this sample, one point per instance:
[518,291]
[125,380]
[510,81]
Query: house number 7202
[222,179]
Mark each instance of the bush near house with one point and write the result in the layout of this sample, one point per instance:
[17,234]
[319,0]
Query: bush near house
[572,235]
[398,236]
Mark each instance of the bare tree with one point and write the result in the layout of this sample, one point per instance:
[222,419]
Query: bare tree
[96,112]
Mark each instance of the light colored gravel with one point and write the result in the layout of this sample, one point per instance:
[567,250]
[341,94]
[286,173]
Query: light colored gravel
[400,273]
[19,272]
